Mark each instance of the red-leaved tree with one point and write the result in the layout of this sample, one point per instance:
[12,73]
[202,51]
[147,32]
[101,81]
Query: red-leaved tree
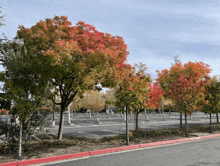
[185,85]
[155,96]
[74,59]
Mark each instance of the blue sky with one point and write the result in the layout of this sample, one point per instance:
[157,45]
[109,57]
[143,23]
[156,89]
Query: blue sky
[155,31]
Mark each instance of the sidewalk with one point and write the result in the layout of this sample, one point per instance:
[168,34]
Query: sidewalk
[103,151]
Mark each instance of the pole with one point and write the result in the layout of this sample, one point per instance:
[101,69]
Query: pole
[162,109]
[68,116]
[146,114]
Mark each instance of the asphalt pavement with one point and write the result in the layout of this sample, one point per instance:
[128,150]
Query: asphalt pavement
[107,126]
[83,126]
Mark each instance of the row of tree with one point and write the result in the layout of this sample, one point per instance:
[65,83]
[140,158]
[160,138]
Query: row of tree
[54,58]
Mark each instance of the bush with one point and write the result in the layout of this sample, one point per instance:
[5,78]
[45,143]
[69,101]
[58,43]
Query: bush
[10,128]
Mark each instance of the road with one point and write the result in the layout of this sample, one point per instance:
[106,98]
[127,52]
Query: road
[194,153]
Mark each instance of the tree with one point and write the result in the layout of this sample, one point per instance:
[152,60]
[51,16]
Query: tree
[78,103]
[20,85]
[1,18]
[132,92]
[74,58]
[122,101]
[184,85]
[109,97]
[141,88]
[94,101]
[211,104]
[155,96]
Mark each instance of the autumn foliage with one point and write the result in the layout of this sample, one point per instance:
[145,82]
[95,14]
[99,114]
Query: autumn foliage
[133,91]
[185,84]
[3,112]
[211,104]
[94,101]
[155,96]
[74,59]
[58,43]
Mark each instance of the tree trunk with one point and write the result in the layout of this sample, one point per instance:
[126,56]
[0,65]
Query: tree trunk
[97,117]
[217,118]
[162,109]
[181,119]
[60,131]
[211,123]
[186,124]
[136,128]
[108,112]
[20,141]
[54,107]
[127,134]
[125,115]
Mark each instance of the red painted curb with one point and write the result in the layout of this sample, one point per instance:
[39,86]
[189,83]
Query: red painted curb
[51,159]
[9,164]
[166,142]
[102,151]
[183,140]
[148,145]
[210,136]
[120,148]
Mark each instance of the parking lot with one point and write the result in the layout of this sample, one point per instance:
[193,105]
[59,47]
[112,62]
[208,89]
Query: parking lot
[83,126]
[112,125]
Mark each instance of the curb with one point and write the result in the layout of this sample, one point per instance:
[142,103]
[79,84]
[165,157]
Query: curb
[102,151]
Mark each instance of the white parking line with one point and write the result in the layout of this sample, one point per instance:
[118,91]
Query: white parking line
[107,130]
[95,125]
[81,132]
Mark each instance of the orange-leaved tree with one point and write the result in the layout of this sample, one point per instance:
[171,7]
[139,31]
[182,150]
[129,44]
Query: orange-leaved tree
[211,104]
[133,92]
[185,85]
[94,101]
[78,104]
[74,59]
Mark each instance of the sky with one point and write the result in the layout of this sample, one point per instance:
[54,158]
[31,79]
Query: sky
[155,31]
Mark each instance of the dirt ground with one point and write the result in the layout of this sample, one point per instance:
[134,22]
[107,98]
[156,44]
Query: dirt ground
[50,146]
